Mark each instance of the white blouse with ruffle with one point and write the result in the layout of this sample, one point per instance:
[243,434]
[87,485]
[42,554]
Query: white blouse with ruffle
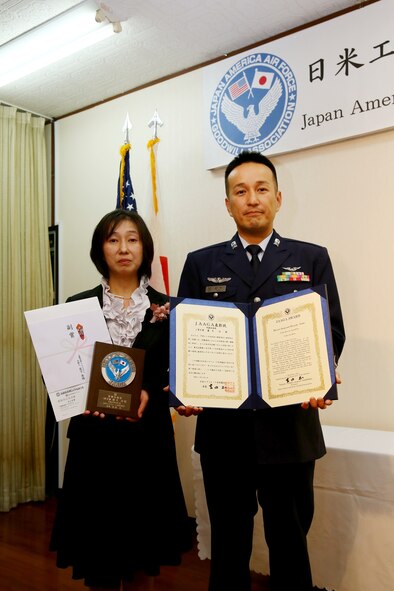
[124,323]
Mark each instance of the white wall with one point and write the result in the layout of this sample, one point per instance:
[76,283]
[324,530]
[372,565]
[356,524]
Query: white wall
[339,195]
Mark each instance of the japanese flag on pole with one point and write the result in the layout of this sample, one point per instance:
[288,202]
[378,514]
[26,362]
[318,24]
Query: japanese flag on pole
[262,79]
[160,276]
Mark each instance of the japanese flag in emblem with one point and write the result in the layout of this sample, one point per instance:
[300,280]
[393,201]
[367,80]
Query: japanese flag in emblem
[262,79]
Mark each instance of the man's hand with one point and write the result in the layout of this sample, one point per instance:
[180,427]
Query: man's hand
[321,402]
[185,411]
[317,403]
[188,411]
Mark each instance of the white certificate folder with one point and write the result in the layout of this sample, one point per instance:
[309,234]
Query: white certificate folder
[232,355]
[63,338]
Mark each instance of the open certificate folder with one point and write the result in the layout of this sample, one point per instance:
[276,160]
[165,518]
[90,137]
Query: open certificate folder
[229,355]
[63,337]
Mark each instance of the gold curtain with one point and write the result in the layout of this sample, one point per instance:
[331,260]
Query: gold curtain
[25,284]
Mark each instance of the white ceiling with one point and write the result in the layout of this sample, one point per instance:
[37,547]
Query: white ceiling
[160,38]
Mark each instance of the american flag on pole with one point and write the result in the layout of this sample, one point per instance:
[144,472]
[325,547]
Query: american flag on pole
[125,198]
[239,87]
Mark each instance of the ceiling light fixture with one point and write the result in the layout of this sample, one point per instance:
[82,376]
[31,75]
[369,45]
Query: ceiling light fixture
[100,18]
[46,44]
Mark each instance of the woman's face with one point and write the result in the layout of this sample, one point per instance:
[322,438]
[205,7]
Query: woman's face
[123,250]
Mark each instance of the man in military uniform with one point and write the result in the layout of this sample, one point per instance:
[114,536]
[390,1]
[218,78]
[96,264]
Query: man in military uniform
[262,456]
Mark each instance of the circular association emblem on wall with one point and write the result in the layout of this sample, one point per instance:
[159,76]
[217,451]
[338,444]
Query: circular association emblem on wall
[253,104]
[118,369]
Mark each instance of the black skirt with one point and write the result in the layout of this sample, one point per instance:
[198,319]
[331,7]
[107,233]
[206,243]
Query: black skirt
[121,508]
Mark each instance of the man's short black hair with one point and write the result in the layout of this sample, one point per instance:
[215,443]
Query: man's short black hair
[248,157]
[106,226]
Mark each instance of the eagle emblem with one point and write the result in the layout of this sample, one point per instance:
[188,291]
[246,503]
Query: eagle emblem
[253,103]
[251,124]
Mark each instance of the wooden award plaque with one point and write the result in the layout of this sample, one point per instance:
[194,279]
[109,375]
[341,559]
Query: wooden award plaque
[115,380]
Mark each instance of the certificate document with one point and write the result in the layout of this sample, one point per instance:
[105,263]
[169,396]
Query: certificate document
[229,355]
[63,337]
[211,354]
[294,352]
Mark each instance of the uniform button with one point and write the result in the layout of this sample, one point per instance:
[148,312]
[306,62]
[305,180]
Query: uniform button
[215,295]
[257,299]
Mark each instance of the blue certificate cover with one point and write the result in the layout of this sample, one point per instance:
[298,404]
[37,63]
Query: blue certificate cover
[231,355]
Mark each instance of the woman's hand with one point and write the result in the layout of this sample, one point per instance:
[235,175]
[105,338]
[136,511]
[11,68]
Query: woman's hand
[144,399]
[96,413]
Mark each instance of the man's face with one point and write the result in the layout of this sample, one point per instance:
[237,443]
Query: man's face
[253,200]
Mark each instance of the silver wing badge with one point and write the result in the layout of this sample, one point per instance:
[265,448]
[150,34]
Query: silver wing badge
[219,279]
[291,269]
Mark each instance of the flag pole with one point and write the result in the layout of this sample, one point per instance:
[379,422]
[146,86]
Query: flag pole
[154,122]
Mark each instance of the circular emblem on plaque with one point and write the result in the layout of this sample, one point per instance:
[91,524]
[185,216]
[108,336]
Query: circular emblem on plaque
[118,369]
[253,104]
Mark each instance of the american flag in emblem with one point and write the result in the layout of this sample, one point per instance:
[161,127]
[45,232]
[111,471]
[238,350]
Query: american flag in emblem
[239,87]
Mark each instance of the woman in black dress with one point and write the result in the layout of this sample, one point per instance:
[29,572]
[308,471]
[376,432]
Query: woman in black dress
[121,509]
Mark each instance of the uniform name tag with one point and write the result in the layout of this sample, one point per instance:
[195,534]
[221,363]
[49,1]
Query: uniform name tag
[215,288]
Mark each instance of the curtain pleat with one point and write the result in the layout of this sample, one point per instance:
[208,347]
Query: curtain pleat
[25,284]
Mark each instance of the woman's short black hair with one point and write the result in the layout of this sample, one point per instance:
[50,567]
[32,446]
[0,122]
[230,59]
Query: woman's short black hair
[107,226]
